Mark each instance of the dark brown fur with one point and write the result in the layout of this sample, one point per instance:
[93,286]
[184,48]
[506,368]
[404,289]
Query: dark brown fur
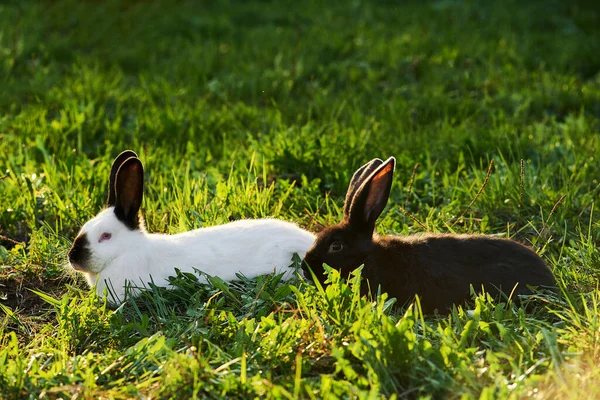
[439,268]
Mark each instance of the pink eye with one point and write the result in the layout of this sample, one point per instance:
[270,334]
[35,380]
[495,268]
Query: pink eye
[104,236]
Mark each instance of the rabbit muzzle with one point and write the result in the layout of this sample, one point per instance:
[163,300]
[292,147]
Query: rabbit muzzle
[79,255]
[311,262]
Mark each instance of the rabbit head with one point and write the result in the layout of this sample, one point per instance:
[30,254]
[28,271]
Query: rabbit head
[345,246]
[117,228]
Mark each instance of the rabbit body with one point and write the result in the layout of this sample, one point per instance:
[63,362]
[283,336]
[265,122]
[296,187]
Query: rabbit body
[249,247]
[440,268]
[114,250]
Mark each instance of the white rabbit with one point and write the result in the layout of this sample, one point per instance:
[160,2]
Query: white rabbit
[114,249]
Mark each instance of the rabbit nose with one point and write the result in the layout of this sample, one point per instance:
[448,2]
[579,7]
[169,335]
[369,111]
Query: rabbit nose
[306,270]
[72,254]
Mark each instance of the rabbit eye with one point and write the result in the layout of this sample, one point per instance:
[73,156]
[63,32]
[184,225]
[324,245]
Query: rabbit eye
[104,236]
[335,247]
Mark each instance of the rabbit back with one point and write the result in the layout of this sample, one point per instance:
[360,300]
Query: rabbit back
[247,247]
[441,268]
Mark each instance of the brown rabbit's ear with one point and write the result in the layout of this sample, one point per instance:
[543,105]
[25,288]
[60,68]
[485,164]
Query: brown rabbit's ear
[129,188]
[120,159]
[371,197]
[357,179]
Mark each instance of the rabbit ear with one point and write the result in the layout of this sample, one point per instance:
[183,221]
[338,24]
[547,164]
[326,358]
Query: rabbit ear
[112,195]
[371,197]
[357,179]
[129,189]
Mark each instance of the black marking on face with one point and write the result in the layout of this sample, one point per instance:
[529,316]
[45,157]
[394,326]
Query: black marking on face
[79,255]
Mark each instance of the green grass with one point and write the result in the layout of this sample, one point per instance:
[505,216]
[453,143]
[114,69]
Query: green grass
[252,109]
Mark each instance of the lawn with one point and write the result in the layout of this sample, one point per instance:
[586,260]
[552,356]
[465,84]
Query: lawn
[248,109]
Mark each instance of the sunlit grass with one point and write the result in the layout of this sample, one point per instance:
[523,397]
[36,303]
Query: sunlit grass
[247,110]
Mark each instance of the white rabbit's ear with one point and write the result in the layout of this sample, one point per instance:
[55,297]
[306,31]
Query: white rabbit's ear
[371,197]
[112,195]
[357,179]
[129,189]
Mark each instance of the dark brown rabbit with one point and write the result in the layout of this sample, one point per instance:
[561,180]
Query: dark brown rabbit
[438,267]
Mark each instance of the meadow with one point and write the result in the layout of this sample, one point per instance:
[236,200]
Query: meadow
[249,109]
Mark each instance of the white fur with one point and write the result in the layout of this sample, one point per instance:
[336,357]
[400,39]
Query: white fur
[249,247]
